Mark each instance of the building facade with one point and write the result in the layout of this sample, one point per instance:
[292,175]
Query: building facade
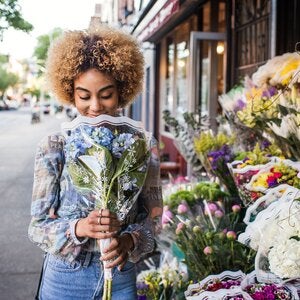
[196,50]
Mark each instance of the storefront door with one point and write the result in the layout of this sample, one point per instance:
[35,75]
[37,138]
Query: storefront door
[207,72]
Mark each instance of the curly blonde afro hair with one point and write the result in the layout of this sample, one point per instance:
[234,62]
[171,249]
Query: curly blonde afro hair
[106,49]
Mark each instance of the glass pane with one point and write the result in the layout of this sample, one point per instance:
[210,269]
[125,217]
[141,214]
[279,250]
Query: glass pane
[169,76]
[204,77]
[181,82]
[210,74]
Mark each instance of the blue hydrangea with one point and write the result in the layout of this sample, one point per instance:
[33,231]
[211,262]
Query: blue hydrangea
[76,145]
[121,143]
[101,135]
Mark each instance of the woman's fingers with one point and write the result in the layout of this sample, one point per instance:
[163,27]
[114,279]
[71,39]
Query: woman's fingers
[117,252]
[99,224]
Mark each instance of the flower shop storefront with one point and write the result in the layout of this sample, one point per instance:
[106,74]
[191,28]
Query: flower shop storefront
[231,229]
[234,233]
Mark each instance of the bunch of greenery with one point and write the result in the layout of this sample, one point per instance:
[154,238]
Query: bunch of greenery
[184,132]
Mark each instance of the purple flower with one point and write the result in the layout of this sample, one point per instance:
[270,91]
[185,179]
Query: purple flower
[265,144]
[259,296]
[269,93]
[142,285]
[240,104]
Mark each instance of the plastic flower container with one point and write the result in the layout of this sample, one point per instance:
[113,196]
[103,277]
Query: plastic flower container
[222,286]
[242,177]
[261,203]
[257,289]
[268,177]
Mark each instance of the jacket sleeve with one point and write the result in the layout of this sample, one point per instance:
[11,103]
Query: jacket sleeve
[149,210]
[47,230]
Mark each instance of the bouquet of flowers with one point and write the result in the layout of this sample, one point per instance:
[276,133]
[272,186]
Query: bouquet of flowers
[168,281]
[285,171]
[220,286]
[275,234]
[205,234]
[278,256]
[238,286]
[215,152]
[233,102]
[250,164]
[184,130]
[264,201]
[107,161]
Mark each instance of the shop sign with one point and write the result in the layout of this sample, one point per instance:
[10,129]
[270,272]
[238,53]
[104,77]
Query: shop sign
[160,19]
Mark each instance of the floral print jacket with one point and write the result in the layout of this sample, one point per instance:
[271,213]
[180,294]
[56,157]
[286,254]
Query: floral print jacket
[57,206]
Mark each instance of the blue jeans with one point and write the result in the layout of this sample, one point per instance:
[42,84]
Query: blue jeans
[83,279]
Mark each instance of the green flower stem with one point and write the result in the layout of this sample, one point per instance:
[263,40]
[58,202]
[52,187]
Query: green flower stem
[105,290]
[232,252]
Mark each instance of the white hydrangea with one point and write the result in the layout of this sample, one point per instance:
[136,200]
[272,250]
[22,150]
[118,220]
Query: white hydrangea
[284,259]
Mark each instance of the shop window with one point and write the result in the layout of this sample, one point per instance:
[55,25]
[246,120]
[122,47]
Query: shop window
[175,97]
[169,81]
[251,36]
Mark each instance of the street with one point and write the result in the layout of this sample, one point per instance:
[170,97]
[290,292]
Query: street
[20,260]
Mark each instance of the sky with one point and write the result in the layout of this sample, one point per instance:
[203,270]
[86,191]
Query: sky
[45,15]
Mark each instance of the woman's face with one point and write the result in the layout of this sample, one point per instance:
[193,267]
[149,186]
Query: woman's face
[95,94]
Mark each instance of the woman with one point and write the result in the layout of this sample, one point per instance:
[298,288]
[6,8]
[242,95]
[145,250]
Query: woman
[99,71]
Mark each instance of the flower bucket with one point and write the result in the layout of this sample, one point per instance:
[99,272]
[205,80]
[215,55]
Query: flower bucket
[198,291]
[242,177]
[269,177]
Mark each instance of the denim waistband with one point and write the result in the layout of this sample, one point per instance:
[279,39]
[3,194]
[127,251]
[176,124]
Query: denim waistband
[86,257]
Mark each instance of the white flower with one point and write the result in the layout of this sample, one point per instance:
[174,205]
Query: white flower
[86,179]
[284,259]
[277,70]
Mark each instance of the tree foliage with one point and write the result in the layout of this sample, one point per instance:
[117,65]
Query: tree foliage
[43,44]
[10,16]
[7,79]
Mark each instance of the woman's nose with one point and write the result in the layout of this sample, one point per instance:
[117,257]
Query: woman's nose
[96,104]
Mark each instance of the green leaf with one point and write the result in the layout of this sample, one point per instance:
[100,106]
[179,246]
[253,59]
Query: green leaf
[139,149]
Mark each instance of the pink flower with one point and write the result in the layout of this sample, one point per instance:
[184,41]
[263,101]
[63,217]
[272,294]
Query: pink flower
[219,214]
[236,208]
[212,207]
[231,235]
[182,209]
[180,226]
[166,217]
[208,250]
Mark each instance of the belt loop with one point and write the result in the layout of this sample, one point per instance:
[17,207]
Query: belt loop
[87,259]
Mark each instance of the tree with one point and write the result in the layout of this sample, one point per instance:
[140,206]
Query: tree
[10,16]
[43,44]
[7,79]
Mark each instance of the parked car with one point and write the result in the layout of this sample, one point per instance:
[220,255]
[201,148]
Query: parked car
[3,105]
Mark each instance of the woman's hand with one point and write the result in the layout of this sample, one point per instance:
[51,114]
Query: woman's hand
[99,224]
[117,252]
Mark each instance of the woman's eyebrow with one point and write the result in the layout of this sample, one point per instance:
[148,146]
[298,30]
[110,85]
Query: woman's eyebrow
[79,88]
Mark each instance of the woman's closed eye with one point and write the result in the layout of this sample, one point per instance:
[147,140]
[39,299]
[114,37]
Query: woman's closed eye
[84,98]
[107,96]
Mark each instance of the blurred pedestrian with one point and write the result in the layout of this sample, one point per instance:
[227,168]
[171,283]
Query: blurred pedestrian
[99,70]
